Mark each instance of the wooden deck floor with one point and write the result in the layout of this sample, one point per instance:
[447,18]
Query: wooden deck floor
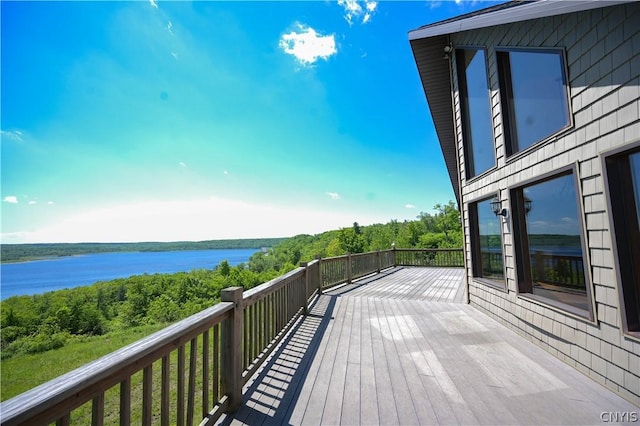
[398,349]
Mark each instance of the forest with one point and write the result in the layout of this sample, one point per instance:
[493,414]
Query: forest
[23,252]
[38,323]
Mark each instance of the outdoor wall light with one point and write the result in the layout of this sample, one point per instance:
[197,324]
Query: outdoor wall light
[528,205]
[496,208]
[448,48]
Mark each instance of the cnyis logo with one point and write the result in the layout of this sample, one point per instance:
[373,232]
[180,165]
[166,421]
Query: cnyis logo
[619,416]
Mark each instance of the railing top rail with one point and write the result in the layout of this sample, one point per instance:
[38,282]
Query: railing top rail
[310,263]
[334,258]
[369,253]
[111,366]
[429,249]
[345,256]
[264,289]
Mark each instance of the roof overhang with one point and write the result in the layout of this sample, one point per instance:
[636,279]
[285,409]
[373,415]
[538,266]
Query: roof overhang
[507,13]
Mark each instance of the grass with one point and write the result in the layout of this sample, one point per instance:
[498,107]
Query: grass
[21,373]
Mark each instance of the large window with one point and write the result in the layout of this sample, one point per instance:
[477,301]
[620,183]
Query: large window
[486,243]
[476,111]
[549,249]
[623,182]
[534,96]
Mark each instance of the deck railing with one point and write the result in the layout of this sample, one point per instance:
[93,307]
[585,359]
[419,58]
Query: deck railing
[194,370]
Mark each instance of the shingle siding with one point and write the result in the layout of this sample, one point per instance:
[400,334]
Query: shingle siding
[603,59]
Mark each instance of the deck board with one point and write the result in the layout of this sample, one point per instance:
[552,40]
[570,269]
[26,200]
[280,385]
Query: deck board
[401,348]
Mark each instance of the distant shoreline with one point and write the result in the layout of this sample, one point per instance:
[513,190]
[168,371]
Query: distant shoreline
[14,253]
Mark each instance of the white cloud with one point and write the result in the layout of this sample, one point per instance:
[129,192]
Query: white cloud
[31,203]
[193,220]
[170,27]
[14,135]
[11,199]
[50,203]
[333,195]
[225,172]
[307,45]
[153,3]
[410,206]
[354,10]
[182,164]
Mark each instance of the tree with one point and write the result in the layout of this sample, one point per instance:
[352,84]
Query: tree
[447,220]
[224,268]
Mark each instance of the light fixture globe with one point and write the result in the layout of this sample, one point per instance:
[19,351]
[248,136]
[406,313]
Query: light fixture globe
[496,207]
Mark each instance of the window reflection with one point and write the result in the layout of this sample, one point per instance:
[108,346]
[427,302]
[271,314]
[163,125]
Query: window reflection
[553,246]
[491,264]
[476,112]
[534,94]
[623,181]
[634,160]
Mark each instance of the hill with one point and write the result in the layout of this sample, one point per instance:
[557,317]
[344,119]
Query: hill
[24,252]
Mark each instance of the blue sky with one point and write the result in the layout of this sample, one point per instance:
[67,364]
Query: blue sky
[163,121]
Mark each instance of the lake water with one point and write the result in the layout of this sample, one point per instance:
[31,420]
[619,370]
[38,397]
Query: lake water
[40,276]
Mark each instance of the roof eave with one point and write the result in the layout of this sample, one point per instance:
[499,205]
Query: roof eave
[435,76]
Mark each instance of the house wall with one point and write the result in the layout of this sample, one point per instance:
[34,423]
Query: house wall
[603,59]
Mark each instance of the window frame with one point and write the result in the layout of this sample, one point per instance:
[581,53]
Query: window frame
[470,172]
[628,271]
[507,107]
[524,284]
[474,237]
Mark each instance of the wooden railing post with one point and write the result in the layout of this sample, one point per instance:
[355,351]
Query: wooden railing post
[349,273]
[305,306]
[393,255]
[319,275]
[232,348]
[378,261]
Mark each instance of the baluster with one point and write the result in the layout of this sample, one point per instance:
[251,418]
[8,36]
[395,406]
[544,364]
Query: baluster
[216,363]
[125,402]
[206,362]
[181,372]
[193,353]
[97,410]
[64,420]
[147,397]
[165,389]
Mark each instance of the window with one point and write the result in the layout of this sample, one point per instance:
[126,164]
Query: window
[623,182]
[486,243]
[534,96]
[549,247]
[476,111]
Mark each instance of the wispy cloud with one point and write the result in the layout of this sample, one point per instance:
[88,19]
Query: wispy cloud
[11,199]
[182,164]
[153,3]
[170,27]
[358,10]
[14,135]
[307,45]
[409,206]
[333,195]
[189,220]
[31,203]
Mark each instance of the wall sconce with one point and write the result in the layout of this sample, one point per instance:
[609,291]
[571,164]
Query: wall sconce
[448,49]
[528,205]
[496,208]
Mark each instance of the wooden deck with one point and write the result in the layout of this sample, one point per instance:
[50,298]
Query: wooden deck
[400,348]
